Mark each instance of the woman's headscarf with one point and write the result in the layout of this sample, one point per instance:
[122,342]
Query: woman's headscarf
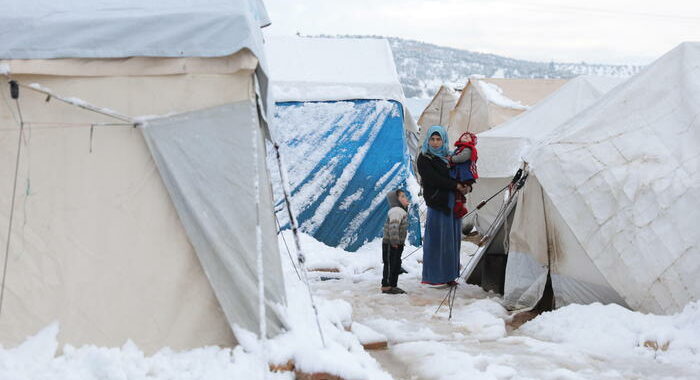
[440,152]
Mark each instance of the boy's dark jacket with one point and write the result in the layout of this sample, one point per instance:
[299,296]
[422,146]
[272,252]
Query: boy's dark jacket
[436,181]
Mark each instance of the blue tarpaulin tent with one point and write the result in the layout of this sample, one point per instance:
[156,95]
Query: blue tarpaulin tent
[341,125]
[344,156]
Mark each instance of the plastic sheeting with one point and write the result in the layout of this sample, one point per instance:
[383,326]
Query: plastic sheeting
[41,29]
[206,160]
[342,159]
[624,175]
[45,29]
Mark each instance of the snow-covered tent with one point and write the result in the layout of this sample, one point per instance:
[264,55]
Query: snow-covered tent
[501,148]
[486,103]
[123,229]
[609,206]
[342,126]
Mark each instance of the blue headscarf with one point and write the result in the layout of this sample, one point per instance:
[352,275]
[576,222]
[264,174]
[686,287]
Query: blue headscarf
[440,152]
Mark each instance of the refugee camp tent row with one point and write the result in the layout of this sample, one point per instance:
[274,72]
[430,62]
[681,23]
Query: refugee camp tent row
[131,229]
[608,209]
[479,106]
[501,149]
[484,103]
[342,128]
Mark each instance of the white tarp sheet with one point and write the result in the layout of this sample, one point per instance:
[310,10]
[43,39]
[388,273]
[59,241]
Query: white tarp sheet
[43,29]
[208,164]
[624,176]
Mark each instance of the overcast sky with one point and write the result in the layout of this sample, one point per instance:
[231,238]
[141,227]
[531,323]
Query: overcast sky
[594,31]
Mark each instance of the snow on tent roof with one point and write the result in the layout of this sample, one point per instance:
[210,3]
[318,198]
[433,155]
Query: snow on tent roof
[486,103]
[317,69]
[625,177]
[501,147]
[526,91]
[42,29]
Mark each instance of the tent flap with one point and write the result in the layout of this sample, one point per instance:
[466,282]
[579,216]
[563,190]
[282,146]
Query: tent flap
[207,161]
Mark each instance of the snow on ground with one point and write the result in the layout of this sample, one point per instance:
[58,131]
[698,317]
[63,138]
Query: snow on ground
[574,342]
[341,353]
[36,359]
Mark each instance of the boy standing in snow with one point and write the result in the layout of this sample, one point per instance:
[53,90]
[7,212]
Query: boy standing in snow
[395,230]
[463,169]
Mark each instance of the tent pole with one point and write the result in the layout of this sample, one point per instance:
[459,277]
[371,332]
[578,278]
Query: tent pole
[293,223]
[14,89]
[78,103]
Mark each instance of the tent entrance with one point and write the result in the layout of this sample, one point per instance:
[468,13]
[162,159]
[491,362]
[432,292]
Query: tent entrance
[490,260]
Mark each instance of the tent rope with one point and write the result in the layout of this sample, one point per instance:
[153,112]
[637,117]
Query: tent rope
[295,230]
[14,91]
[414,251]
[289,253]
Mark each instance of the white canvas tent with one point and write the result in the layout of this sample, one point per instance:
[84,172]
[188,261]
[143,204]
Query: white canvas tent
[609,207]
[501,148]
[437,112]
[143,232]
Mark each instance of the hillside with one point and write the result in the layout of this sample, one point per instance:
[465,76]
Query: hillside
[423,67]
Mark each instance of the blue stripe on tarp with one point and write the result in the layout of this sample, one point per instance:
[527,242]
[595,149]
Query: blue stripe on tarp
[346,224]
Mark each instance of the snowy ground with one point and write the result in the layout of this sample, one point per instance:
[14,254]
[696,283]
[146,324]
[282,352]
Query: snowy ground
[574,342]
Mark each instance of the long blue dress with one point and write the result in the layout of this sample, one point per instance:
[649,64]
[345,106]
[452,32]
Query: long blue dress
[441,245]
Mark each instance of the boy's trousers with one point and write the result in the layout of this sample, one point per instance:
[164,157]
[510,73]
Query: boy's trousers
[391,257]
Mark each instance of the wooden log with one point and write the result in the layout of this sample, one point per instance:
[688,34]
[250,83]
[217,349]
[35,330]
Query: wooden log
[286,367]
[316,376]
[329,270]
[521,318]
[381,345]
[656,346]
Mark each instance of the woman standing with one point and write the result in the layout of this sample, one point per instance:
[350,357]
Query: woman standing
[441,243]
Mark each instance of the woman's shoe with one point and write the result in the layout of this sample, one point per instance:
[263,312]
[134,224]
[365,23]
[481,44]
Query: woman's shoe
[435,285]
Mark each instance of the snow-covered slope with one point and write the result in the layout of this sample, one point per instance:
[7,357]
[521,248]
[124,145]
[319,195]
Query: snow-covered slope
[423,67]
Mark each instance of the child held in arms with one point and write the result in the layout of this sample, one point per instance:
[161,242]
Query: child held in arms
[463,169]
[395,231]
